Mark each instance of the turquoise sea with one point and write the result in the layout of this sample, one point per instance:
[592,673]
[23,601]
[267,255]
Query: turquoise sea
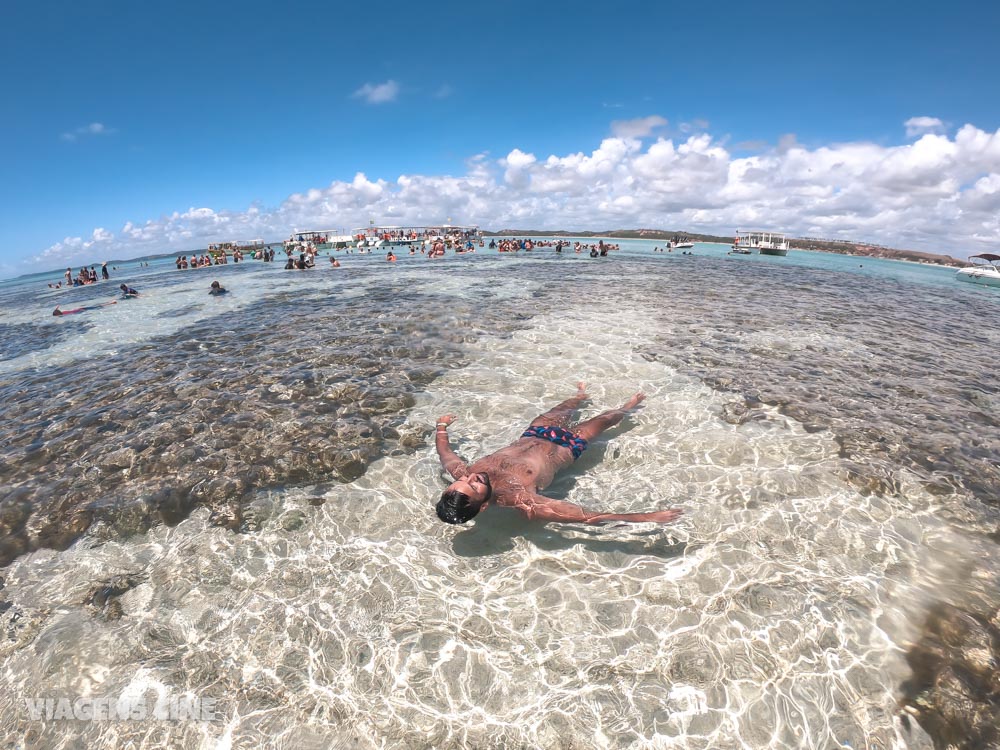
[230,499]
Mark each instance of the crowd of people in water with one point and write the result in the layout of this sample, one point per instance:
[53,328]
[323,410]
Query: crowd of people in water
[204,260]
[307,255]
[302,251]
[84,278]
[600,250]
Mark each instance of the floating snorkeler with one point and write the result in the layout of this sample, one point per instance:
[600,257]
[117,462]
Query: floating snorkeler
[513,476]
[57,312]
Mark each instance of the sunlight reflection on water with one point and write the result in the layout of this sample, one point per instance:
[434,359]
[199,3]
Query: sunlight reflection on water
[775,613]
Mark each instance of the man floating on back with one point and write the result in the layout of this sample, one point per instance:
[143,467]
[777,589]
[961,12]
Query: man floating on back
[514,476]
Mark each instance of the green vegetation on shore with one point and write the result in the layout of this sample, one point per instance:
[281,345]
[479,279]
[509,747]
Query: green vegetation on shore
[805,243]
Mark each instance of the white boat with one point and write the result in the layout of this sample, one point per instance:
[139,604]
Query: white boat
[454,235]
[738,249]
[984,270]
[684,246]
[319,239]
[765,243]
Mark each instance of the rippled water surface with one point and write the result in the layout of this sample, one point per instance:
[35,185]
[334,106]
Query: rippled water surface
[233,498]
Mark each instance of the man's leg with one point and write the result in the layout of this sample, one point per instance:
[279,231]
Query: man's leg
[561,415]
[593,427]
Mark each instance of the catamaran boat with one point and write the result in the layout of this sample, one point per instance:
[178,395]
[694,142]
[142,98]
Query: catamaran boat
[765,243]
[315,240]
[454,235]
[984,269]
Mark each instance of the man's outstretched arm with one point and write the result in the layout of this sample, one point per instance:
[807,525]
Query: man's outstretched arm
[543,508]
[449,459]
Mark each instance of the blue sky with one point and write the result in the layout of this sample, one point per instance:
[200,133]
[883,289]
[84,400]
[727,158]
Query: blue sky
[121,115]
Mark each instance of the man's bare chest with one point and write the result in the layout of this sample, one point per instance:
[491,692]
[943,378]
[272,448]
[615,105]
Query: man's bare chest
[530,464]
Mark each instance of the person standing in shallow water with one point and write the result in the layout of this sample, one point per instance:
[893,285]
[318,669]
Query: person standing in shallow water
[514,476]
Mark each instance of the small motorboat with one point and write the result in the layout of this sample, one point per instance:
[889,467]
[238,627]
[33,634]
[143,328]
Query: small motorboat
[983,270]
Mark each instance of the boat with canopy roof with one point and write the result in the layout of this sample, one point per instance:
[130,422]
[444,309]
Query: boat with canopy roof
[984,269]
[765,243]
[454,235]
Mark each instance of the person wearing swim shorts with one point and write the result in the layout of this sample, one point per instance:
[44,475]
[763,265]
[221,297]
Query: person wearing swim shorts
[57,312]
[514,476]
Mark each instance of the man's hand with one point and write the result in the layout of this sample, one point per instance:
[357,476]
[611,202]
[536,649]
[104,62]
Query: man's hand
[449,460]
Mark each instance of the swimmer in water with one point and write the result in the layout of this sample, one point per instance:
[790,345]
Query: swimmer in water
[514,476]
[58,312]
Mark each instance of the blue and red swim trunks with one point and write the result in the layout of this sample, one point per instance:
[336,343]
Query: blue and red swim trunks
[559,436]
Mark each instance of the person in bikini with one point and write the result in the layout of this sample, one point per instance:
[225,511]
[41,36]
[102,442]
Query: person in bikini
[514,476]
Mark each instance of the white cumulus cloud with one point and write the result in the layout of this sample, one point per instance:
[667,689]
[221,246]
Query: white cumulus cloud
[378,93]
[939,193]
[638,128]
[920,125]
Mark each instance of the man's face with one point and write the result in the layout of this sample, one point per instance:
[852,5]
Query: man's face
[476,486]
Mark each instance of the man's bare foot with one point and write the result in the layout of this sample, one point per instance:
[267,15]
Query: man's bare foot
[634,401]
[581,391]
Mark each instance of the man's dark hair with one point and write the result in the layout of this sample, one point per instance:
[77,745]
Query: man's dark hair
[454,507]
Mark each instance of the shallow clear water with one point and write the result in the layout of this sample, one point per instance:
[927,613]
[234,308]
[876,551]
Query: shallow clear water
[261,467]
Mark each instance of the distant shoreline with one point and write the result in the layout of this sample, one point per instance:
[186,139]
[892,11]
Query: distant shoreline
[857,249]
